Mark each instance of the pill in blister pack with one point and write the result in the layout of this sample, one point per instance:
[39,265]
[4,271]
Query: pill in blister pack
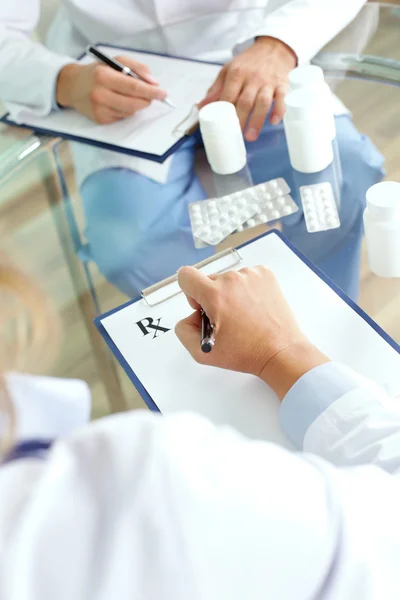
[270,210]
[213,220]
[268,190]
[319,206]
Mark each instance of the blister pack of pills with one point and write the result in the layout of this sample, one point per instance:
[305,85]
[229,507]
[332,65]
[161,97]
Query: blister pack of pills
[270,210]
[213,220]
[319,206]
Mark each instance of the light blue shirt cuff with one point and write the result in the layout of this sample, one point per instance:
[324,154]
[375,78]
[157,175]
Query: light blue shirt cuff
[311,395]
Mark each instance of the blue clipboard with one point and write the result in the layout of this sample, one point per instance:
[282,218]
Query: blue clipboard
[104,146]
[138,384]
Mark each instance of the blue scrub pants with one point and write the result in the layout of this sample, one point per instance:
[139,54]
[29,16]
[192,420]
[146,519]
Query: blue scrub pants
[138,230]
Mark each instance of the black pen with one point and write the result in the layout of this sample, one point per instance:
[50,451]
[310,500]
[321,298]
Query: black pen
[207,333]
[117,66]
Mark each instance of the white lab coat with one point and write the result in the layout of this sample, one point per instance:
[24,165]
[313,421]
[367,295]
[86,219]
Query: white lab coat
[206,29]
[145,507]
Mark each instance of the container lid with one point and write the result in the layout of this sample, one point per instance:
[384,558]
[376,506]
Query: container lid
[306,75]
[383,199]
[217,114]
[306,103]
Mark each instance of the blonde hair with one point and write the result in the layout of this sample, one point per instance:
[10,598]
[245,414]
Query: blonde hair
[28,334]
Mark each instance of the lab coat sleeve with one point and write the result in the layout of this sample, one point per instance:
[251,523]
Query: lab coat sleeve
[313,393]
[307,25]
[28,71]
[344,418]
[146,506]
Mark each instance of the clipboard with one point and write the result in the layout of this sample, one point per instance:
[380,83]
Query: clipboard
[182,132]
[232,258]
[151,296]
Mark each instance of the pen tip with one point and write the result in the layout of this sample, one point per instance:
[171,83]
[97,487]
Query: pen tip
[170,103]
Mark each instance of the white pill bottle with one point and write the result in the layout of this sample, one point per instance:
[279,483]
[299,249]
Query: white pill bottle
[225,147]
[309,130]
[222,137]
[382,228]
[312,77]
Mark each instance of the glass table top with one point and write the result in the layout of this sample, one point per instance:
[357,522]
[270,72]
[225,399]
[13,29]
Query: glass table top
[95,241]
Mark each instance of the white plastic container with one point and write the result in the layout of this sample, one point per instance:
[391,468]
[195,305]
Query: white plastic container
[306,75]
[382,228]
[311,76]
[308,129]
[222,138]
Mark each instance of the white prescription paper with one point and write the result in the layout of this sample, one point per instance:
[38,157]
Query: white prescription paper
[151,130]
[176,383]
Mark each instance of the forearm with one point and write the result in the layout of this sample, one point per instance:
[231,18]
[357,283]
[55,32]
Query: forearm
[290,364]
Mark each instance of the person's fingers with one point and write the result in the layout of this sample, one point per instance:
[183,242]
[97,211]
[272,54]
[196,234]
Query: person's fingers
[261,108]
[188,332]
[140,104]
[279,105]
[106,116]
[196,285]
[218,83]
[233,85]
[195,305]
[192,302]
[124,105]
[245,103]
[139,68]
[259,270]
[214,92]
[130,86]
[127,86]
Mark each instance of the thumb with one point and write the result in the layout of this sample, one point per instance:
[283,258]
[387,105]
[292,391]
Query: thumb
[139,68]
[214,92]
[188,332]
[196,285]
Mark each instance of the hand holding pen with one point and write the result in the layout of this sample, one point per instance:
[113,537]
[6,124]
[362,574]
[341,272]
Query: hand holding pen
[105,95]
[131,71]
[254,330]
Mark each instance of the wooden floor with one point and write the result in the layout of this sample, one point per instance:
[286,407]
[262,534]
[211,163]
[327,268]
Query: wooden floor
[28,232]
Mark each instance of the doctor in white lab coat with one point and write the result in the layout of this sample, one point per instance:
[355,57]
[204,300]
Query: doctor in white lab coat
[150,507]
[260,41]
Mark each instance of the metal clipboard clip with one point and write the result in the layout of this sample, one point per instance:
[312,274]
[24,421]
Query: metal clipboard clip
[189,124]
[158,293]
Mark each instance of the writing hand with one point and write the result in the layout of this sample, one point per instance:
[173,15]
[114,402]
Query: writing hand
[104,95]
[255,330]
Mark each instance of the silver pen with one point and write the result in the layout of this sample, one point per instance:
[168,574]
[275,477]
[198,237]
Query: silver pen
[117,66]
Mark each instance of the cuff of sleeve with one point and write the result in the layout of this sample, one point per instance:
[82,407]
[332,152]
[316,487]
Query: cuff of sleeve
[242,45]
[283,36]
[245,43]
[290,39]
[311,395]
[42,98]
